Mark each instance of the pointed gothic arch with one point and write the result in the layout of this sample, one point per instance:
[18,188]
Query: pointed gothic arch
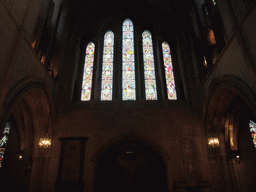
[147,171]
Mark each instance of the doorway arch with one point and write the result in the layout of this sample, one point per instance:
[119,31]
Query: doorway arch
[130,165]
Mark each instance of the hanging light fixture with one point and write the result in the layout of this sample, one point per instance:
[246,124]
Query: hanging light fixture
[45,142]
[213,141]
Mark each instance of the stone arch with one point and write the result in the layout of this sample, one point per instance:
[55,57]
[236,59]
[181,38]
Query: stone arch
[226,96]
[228,99]
[29,94]
[130,137]
[223,88]
[230,103]
[232,83]
[18,90]
[132,171]
[29,103]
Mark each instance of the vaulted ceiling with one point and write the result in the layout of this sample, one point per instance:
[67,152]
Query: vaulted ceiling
[100,15]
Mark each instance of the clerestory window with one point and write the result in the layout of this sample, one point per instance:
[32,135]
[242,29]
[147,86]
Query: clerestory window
[107,67]
[124,74]
[252,126]
[128,68]
[87,73]
[3,141]
[149,66]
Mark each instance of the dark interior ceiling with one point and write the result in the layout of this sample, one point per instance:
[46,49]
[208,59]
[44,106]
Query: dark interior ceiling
[86,15]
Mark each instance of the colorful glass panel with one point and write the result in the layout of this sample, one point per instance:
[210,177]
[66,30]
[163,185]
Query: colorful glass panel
[107,68]
[128,76]
[149,70]
[3,141]
[253,132]
[88,71]
[171,91]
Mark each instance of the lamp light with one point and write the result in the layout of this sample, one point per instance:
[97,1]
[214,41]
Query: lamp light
[45,142]
[235,155]
[21,155]
[213,141]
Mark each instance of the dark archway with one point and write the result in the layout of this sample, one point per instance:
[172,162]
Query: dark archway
[13,173]
[28,104]
[229,109]
[131,166]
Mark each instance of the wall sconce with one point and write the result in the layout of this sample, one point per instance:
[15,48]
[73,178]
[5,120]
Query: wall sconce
[45,142]
[213,141]
[236,155]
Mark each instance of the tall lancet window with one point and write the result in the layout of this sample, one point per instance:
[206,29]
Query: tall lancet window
[87,73]
[128,76]
[3,141]
[149,67]
[171,91]
[252,126]
[107,68]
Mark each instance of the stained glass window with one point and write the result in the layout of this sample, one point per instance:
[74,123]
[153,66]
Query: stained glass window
[253,132]
[3,141]
[149,68]
[107,68]
[171,91]
[128,76]
[87,73]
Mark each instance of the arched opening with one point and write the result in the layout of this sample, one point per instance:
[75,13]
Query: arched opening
[229,112]
[131,166]
[13,172]
[28,110]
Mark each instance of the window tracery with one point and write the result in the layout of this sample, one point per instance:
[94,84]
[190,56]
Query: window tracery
[108,75]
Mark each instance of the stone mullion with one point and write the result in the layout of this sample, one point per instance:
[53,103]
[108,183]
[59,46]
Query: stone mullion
[140,71]
[157,49]
[97,72]
[160,72]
